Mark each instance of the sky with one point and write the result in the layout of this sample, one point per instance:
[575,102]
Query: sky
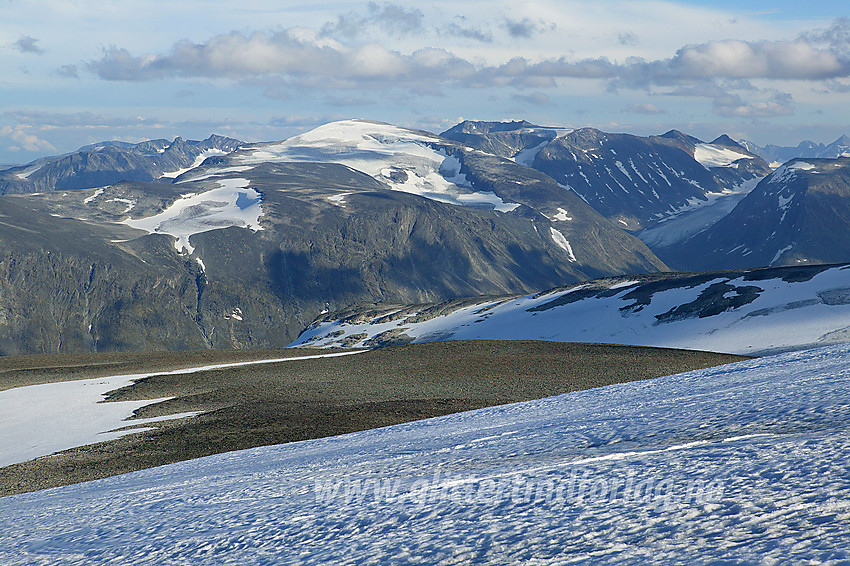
[78,72]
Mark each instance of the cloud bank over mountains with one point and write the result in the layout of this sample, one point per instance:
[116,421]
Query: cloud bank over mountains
[306,55]
[565,61]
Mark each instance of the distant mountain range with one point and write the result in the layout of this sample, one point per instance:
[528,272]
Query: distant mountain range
[634,181]
[799,214]
[245,250]
[220,243]
[107,163]
[777,155]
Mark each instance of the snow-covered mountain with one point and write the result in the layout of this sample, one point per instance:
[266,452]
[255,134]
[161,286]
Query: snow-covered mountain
[744,463]
[438,169]
[107,163]
[745,312]
[635,181]
[406,160]
[352,212]
[777,155]
[799,214]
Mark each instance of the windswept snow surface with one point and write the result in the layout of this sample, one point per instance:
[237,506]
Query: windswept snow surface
[232,204]
[42,419]
[760,315]
[403,159]
[743,464]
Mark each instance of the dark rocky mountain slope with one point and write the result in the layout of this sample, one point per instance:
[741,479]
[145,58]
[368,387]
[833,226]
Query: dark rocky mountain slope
[635,181]
[800,214]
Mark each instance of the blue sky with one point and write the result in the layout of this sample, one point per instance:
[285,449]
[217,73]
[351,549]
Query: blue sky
[72,73]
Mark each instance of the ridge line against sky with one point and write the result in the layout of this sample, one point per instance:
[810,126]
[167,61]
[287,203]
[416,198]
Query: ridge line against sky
[76,73]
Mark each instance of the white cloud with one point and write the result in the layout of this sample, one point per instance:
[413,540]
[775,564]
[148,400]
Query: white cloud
[779,104]
[462,31]
[526,28]
[646,108]
[393,19]
[767,59]
[312,58]
[24,139]
[836,36]
[305,60]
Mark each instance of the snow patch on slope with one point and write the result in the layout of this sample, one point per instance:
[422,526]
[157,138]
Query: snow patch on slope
[562,242]
[526,156]
[198,160]
[25,174]
[802,166]
[39,420]
[217,172]
[779,254]
[42,419]
[562,216]
[709,155]
[131,204]
[94,195]
[232,204]
[338,199]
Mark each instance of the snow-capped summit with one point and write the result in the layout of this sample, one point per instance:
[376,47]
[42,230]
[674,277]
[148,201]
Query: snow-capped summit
[353,211]
[406,160]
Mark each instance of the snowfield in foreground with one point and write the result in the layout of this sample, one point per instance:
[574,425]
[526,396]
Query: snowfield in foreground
[743,463]
[39,420]
[744,312]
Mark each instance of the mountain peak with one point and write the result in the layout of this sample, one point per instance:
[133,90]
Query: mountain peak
[726,141]
[483,127]
[353,133]
[681,136]
[843,141]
